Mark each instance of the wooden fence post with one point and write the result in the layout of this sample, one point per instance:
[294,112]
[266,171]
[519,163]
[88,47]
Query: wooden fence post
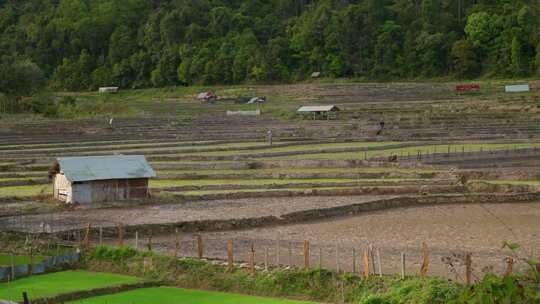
[509,266]
[290,254]
[87,236]
[372,259]
[136,240]
[278,249]
[468,268]
[200,248]
[120,235]
[100,236]
[176,243]
[366,263]
[306,254]
[403,265]
[379,262]
[320,256]
[425,260]
[230,255]
[12,267]
[353,260]
[150,241]
[265,258]
[252,259]
[337,258]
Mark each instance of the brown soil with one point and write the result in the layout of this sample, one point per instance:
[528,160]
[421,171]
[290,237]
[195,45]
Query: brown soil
[182,212]
[449,231]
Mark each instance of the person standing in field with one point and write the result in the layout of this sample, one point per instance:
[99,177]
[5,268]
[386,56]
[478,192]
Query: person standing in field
[270,140]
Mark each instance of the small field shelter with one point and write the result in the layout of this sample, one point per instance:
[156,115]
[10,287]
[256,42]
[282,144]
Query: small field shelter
[94,179]
[319,112]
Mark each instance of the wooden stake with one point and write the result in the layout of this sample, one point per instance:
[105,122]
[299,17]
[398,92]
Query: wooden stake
[230,255]
[150,241]
[136,240]
[120,235]
[468,268]
[100,236]
[87,236]
[252,259]
[372,259]
[320,257]
[353,261]
[379,262]
[337,258]
[176,243]
[278,249]
[366,263]
[200,248]
[403,265]
[425,260]
[306,254]
[509,266]
[12,267]
[265,258]
[290,254]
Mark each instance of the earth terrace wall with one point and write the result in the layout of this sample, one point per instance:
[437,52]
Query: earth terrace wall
[79,295]
[317,214]
[270,164]
[375,190]
[361,183]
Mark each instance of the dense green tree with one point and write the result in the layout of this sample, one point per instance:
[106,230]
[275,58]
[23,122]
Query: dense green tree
[465,61]
[82,44]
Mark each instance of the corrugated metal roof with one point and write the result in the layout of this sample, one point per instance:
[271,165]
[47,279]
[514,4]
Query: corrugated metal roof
[80,169]
[318,108]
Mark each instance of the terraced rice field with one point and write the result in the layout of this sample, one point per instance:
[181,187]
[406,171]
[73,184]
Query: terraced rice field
[60,283]
[214,168]
[184,296]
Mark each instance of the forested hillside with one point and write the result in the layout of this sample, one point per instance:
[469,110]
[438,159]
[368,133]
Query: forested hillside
[82,44]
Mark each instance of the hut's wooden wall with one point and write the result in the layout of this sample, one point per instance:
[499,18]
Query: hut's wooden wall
[109,190]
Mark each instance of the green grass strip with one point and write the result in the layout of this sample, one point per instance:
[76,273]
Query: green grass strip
[184,296]
[24,191]
[61,283]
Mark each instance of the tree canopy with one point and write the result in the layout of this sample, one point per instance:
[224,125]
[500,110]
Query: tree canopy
[83,44]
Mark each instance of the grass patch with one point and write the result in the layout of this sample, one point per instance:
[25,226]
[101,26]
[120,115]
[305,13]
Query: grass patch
[60,283]
[314,284]
[178,295]
[24,191]
[5,260]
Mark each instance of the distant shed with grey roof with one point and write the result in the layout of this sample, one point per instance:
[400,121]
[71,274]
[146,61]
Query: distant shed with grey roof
[94,179]
[319,112]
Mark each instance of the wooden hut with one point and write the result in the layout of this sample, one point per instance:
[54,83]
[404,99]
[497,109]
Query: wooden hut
[100,178]
[319,112]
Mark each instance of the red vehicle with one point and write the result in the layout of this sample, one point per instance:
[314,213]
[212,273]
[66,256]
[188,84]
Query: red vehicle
[473,87]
